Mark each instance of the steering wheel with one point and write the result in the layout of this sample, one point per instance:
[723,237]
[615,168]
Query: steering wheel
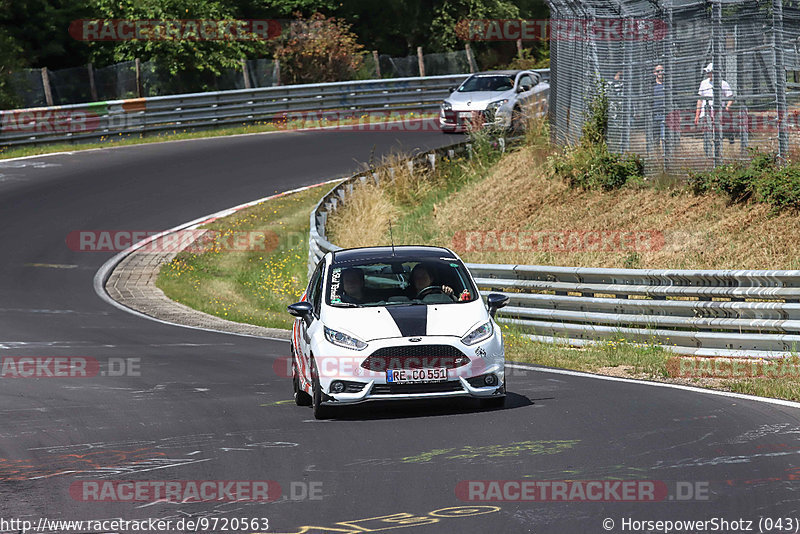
[425,291]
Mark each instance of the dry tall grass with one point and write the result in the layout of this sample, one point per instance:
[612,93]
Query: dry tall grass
[364,219]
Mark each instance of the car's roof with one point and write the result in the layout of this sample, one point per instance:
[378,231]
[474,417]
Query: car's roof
[499,72]
[400,252]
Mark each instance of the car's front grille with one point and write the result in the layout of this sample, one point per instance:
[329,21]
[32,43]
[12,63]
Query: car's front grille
[405,389]
[353,387]
[415,357]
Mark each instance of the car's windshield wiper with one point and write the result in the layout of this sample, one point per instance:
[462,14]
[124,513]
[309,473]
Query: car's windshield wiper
[346,305]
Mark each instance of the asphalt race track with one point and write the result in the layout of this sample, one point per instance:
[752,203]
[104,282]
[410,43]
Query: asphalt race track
[210,406]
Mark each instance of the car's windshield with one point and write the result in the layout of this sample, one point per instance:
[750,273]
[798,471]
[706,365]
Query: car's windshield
[387,283]
[487,83]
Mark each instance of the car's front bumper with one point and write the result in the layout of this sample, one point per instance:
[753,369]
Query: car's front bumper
[463,120]
[486,358]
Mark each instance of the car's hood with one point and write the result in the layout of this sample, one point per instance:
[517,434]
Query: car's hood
[476,100]
[382,322]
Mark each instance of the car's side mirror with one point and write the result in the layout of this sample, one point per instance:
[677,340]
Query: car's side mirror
[524,88]
[452,89]
[302,310]
[495,301]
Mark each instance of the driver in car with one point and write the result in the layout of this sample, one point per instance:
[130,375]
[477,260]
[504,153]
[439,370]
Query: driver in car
[422,279]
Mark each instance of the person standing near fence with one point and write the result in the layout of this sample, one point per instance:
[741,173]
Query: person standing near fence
[704,113]
[658,128]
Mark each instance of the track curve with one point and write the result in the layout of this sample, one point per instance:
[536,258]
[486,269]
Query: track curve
[209,406]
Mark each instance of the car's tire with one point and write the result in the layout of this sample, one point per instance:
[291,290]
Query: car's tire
[301,398]
[320,411]
[494,402]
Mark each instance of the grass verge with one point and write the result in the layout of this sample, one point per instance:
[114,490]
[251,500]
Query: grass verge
[642,362]
[252,286]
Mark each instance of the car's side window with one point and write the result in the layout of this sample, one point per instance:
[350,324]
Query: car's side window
[526,81]
[314,283]
[317,290]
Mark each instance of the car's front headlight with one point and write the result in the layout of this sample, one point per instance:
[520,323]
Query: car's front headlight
[497,104]
[343,340]
[481,333]
[447,106]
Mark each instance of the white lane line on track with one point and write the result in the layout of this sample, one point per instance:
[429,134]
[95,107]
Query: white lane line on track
[104,271]
[768,400]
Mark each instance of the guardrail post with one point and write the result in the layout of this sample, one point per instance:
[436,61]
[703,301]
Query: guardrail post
[421,62]
[432,160]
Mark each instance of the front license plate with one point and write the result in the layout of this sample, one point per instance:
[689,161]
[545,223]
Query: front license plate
[465,115]
[416,376]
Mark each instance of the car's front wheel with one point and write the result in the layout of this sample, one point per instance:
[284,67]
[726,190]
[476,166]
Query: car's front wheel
[320,411]
[301,398]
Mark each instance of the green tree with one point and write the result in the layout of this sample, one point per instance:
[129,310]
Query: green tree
[187,63]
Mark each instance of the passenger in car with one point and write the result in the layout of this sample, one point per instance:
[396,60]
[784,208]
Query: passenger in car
[353,286]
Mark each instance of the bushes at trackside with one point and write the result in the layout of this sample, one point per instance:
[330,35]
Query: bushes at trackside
[762,179]
[590,165]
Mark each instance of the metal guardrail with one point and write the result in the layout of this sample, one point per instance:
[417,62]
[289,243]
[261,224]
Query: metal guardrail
[143,116]
[697,312]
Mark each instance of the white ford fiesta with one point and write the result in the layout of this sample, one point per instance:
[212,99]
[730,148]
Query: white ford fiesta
[395,323]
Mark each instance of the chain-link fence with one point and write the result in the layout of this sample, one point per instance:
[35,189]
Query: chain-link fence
[434,64]
[690,84]
[86,84]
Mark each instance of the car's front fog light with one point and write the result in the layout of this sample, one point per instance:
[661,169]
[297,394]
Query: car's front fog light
[490,380]
[337,386]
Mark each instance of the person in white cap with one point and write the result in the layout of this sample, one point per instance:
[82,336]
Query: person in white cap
[704,113]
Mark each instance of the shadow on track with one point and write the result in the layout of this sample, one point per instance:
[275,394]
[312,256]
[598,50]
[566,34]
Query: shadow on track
[427,408]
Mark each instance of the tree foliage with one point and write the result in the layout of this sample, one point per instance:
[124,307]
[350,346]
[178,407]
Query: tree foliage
[318,49]
[205,58]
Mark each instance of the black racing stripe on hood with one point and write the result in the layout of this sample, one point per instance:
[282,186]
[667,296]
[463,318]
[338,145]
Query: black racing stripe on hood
[411,320]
